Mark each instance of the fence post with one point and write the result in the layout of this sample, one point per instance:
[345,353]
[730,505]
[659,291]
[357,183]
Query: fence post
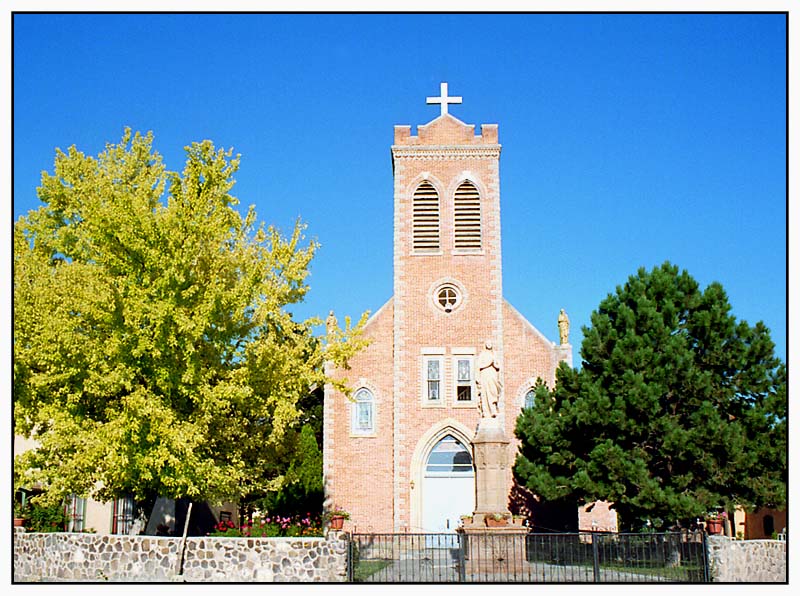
[350,558]
[462,557]
[595,557]
[706,570]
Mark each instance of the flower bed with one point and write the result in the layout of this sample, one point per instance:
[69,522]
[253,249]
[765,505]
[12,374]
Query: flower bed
[271,526]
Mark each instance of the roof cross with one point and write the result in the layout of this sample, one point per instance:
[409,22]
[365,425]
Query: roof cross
[443,99]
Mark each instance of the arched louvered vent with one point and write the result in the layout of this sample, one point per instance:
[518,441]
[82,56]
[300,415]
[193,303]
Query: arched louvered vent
[467,205]
[426,218]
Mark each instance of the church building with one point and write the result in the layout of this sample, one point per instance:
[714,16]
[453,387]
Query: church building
[397,453]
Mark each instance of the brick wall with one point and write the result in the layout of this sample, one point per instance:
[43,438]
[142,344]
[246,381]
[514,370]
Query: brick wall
[754,526]
[598,517]
[358,471]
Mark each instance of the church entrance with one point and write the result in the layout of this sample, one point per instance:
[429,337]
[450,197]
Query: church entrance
[448,486]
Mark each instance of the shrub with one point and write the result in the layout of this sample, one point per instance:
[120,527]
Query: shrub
[45,518]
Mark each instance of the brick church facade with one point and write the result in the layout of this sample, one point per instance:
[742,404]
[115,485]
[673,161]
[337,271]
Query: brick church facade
[397,454]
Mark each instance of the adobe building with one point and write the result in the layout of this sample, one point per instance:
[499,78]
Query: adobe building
[397,455]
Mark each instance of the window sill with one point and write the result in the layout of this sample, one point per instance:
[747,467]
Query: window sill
[371,435]
[434,404]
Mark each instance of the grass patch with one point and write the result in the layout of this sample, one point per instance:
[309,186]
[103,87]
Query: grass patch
[691,573]
[365,569]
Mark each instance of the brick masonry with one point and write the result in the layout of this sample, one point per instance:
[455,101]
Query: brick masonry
[376,478]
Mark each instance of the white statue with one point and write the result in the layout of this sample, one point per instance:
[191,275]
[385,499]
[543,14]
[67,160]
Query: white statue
[488,382]
[331,323]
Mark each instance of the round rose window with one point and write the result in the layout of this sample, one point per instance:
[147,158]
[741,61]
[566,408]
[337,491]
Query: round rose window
[448,298]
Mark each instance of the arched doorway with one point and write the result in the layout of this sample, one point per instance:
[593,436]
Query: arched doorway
[448,485]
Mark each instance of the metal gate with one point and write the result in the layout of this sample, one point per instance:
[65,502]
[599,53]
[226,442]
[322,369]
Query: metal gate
[545,558]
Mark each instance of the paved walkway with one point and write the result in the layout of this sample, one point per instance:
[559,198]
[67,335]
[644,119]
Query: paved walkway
[441,565]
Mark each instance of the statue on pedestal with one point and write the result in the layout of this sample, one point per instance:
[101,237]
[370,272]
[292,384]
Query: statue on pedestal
[331,323]
[488,382]
[563,327]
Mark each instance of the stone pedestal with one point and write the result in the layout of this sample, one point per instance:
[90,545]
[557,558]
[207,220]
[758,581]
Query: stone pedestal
[494,542]
[494,551]
[564,352]
[490,455]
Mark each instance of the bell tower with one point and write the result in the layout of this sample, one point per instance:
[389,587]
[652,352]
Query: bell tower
[400,450]
[448,298]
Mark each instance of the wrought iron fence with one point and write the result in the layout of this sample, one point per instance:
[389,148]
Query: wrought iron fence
[528,558]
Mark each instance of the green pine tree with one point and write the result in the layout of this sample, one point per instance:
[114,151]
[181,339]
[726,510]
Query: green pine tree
[678,408]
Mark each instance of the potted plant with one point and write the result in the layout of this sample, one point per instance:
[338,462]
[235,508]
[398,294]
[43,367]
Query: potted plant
[336,517]
[715,522]
[466,519]
[495,520]
[517,519]
[20,512]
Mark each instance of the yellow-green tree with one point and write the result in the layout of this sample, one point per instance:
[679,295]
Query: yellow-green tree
[153,352]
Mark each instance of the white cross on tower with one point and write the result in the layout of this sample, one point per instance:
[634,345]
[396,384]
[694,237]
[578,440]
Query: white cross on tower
[443,99]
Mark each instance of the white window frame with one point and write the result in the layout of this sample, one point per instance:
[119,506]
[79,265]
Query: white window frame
[469,178]
[464,353]
[356,407]
[459,383]
[525,398]
[426,251]
[425,381]
[456,298]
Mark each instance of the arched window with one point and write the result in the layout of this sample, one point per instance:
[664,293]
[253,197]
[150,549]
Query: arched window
[425,218]
[449,456]
[467,212]
[530,396]
[363,412]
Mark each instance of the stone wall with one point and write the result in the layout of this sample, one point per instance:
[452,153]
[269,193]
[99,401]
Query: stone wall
[90,557]
[95,558]
[746,560]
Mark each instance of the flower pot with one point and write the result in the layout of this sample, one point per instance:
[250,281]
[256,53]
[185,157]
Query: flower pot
[496,523]
[18,522]
[714,526]
[337,522]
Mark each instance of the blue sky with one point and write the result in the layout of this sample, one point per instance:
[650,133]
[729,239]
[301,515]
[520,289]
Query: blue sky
[627,140]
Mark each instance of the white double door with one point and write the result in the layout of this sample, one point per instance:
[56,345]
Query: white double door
[445,498]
